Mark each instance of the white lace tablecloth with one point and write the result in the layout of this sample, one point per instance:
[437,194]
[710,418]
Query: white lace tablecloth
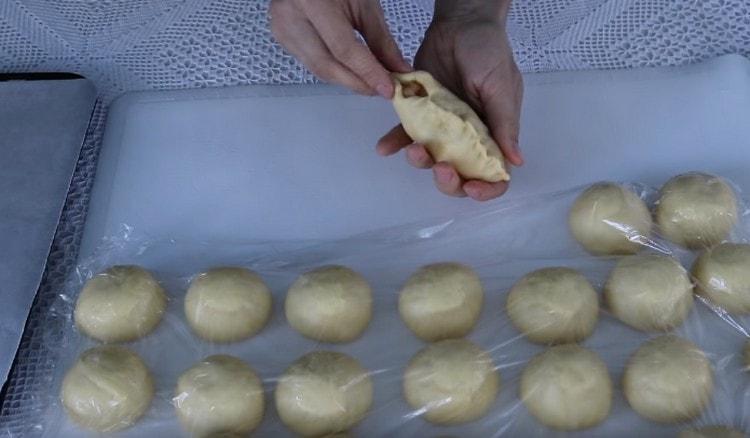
[126,45]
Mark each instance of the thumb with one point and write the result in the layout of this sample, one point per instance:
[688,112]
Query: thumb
[502,107]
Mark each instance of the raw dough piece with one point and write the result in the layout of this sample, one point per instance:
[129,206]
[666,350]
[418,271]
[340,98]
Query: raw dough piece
[329,304]
[120,304]
[696,210]
[441,301]
[451,381]
[567,387]
[649,292]
[609,219]
[711,432]
[108,388]
[323,392]
[668,380]
[553,305]
[722,275]
[227,304]
[447,127]
[220,394]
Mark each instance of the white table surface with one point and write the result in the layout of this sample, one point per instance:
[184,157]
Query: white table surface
[298,162]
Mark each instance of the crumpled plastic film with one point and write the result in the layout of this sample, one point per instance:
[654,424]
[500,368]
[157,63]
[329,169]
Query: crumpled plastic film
[488,391]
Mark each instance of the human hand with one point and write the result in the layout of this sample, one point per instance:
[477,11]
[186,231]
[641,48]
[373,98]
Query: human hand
[467,50]
[321,34]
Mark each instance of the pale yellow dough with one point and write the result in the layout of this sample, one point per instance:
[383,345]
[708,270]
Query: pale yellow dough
[649,292]
[227,304]
[108,388]
[451,382]
[711,432]
[696,210]
[323,392]
[668,380]
[447,127]
[441,301]
[609,219]
[329,304]
[567,387]
[722,274]
[553,305]
[120,304]
[220,394]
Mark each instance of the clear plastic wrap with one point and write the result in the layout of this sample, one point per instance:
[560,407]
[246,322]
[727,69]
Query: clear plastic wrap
[501,244]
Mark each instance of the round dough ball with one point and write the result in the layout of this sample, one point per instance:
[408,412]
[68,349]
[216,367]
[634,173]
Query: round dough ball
[227,304]
[649,292]
[608,219]
[451,381]
[668,380]
[220,394]
[567,387]
[441,301]
[323,392]
[696,210]
[722,275]
[711,432]
[553,305]
[108,388]
[329,304]
[121,304]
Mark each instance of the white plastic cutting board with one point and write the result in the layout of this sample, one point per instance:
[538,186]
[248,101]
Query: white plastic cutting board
[298,162]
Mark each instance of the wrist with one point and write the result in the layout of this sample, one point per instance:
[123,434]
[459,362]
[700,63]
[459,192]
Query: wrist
[471,10]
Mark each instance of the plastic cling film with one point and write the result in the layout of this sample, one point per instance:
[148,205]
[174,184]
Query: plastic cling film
[500,246]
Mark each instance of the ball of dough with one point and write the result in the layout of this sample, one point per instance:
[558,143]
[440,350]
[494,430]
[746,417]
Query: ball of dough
[668,380]
[329,304]
[220,394]
[567,387]
[696,210]
[722,275]
[121,304]
[553,305]
[441,301]
[227,304]
[649,292]
[108,388]
[451,381]
[711,432]
[323,392]
[608,219]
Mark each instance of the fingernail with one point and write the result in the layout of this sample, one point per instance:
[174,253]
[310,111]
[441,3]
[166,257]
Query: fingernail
[443,175]
[472,191]
[517,151]
[385,90]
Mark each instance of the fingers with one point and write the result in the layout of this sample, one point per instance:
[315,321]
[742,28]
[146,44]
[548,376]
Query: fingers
[300,38]
[417,156]
[374,29]
[503,110]
[392,142]
[447,179]
[484,191]
[337,32]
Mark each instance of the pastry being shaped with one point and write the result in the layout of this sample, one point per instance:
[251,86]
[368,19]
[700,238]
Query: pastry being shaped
[450,130]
